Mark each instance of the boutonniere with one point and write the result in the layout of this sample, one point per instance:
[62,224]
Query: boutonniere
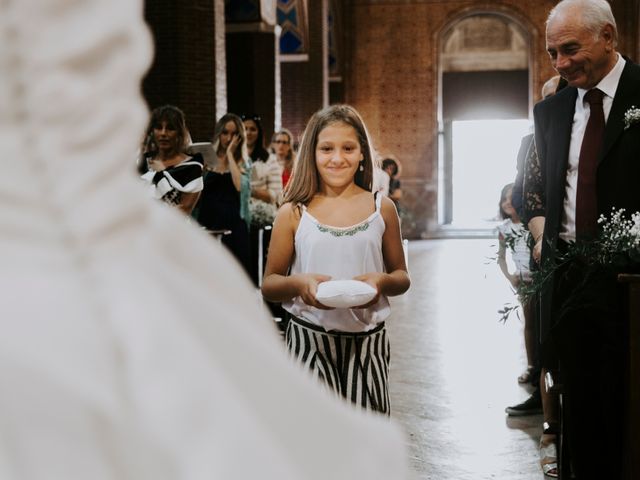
[631,116]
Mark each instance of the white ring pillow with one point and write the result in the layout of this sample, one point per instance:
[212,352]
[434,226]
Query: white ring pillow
[345,293]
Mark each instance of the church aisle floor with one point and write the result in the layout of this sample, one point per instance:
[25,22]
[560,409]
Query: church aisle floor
[454,367]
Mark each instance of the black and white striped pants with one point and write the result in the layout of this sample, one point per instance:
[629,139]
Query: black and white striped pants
[354,365]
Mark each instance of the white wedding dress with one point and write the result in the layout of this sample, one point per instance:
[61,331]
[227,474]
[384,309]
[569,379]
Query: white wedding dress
[132,345]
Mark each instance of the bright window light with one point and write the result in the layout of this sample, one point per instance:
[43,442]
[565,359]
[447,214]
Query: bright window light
[484,160]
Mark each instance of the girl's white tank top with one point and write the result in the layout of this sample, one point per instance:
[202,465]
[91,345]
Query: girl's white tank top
[342,253]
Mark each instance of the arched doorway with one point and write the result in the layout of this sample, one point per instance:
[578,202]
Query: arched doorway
[484,110]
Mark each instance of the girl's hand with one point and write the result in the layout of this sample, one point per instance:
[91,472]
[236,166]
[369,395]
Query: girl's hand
[375,280]
[307,286]
[233,145]
[514,280]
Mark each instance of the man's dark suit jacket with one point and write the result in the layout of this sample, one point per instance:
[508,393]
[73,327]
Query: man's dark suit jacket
[618,176]
[588,335]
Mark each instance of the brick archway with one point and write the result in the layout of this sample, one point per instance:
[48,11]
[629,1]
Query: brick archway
[483,46]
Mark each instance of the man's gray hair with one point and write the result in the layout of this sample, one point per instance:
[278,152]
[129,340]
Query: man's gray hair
[594,13]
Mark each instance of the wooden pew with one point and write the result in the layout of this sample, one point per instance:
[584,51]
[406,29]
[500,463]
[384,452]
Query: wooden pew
[632,441]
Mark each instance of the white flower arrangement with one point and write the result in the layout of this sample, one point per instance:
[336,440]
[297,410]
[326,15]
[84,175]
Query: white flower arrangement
[616,249]
[631,116]
[262,213]
[619,235]
[617,246]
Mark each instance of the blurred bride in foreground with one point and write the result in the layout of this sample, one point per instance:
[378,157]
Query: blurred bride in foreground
[124,355]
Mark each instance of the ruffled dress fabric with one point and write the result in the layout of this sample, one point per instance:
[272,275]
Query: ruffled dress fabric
[132,346]
[169,184]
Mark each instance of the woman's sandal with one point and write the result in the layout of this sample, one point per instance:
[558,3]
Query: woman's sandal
[525,377]
[549,456]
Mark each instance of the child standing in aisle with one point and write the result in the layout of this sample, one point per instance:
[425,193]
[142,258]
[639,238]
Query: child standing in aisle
[332,227]
[511,233]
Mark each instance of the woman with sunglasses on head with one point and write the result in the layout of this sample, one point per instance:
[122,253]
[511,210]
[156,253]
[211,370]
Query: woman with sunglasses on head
[266,189]
[266,181]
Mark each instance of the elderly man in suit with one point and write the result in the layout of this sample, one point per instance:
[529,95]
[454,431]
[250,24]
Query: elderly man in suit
[588,163]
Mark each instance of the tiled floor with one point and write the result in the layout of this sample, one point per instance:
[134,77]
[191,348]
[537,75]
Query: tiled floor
[454,367]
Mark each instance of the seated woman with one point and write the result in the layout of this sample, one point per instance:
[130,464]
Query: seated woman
[266,189]
[224,204]
[266,176]
[173,176]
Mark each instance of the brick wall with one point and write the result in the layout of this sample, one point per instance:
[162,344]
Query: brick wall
[627,14]
[183,70]
[390,72]
[393,79]
[251,76]
[394,83]
[302,82]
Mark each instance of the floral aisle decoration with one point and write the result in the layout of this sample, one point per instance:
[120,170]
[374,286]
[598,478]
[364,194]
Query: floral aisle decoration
[511,239]
[262,213]
[615,250]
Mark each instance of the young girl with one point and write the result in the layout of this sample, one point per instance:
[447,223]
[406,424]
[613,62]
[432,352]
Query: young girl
[513,232]
[332,227]
[542,401]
